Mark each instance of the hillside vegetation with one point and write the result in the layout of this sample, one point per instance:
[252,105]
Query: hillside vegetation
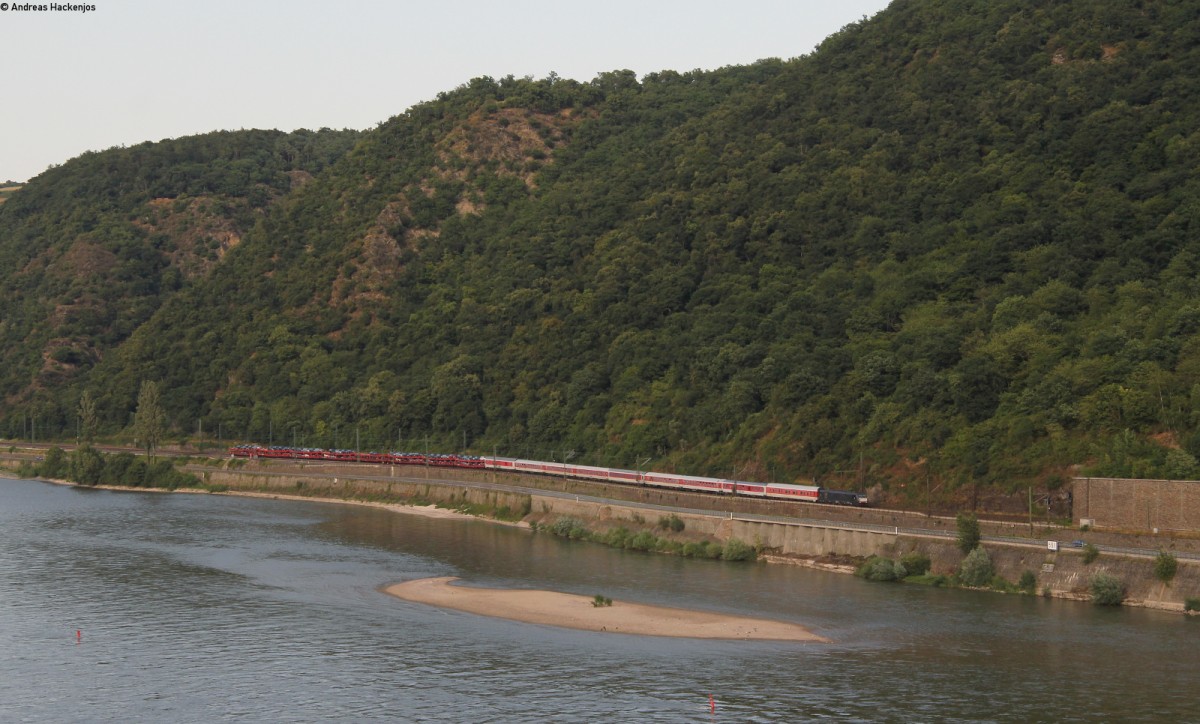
[90,249]
[955,245]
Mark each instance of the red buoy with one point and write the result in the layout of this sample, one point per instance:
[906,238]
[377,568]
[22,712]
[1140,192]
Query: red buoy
[712,704]
[78,635]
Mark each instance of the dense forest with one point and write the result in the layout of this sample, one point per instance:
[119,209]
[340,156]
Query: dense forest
[957,244]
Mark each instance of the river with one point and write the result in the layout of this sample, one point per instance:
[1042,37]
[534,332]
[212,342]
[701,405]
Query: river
[199,608]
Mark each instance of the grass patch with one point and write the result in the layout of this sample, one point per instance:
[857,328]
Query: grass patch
[929,579]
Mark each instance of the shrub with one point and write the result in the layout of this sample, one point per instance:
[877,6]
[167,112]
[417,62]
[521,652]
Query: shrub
[671,522]
[616,537]
[878,568]
[86,465]
[1090,554]
[736,550]
[1165,566]
[916,563]
[1191,604]
[135,472]
[1107,589]
[54,465]
[599,601]
[968,532]
[976,570]
[115,467]
[568,528]
[643,541]
[1028,582]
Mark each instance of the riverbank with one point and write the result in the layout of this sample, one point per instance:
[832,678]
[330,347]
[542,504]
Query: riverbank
[572,611]
[1058,573]
[425,511]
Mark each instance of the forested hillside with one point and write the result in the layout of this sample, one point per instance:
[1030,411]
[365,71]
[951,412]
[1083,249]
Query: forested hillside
[90,249]
[956,244]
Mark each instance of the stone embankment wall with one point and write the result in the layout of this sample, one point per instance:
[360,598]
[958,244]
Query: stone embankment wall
[1138,505]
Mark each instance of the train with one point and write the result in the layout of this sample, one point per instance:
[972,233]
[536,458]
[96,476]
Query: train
[671,481]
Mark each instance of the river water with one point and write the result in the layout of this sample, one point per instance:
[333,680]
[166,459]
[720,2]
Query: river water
[200,608]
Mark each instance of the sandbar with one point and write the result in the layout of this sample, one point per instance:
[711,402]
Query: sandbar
[568,610]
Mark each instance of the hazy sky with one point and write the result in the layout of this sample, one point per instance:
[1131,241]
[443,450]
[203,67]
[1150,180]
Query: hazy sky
[145,70]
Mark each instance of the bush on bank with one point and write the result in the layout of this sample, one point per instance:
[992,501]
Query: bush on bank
[1165,566]
[977,569]
[878,568]
[646,541]
[1107,589]
[88,466]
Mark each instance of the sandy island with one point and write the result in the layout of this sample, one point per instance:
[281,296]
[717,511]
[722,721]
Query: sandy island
[572,611]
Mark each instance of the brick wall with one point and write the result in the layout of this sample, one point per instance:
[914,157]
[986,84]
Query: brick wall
[1168,505]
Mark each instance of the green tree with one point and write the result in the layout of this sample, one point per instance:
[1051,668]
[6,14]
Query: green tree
[1165,566]
[149,420]
[977,568]
[87,416]
[968,532]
